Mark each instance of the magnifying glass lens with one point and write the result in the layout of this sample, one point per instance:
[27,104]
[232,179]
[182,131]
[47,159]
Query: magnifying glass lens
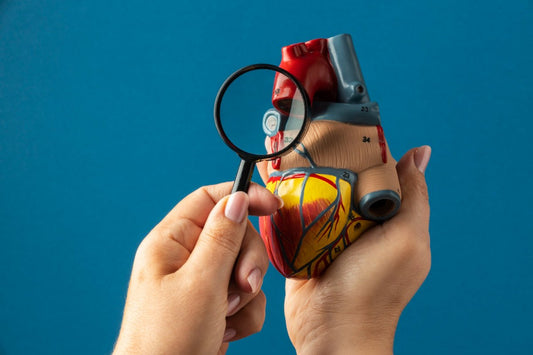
[249,118]
[261,112]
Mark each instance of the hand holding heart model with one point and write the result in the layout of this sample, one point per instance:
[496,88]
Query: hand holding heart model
[341,178]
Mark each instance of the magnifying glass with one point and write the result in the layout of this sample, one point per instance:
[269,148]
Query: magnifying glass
[252,124]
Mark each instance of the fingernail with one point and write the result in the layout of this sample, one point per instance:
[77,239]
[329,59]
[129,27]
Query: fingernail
[229,334]
[233,302]
[237,206]
[422,156]
[280,202]
[255,280]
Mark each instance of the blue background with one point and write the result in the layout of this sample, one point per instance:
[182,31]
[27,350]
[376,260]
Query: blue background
[106,123]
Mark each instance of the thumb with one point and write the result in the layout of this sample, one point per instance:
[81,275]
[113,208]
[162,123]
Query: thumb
[415,200]
[220,241]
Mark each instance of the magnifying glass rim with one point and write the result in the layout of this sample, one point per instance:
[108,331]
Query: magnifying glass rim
[258,157]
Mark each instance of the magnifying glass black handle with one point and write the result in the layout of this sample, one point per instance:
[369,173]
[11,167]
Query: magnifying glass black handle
[244,176]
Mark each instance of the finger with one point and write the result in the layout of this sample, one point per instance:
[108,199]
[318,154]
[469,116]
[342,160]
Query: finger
[219,243]
[170,243]
[223,349]
[415,200]
[248,320]
[252,264]
[262,201]
[197,205]
[249,271]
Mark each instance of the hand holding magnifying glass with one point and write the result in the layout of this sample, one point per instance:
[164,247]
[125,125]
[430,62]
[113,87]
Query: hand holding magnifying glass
[246,118]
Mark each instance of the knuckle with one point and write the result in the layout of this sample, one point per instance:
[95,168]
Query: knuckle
[254,242]
[255,313]
[222,237]
[413,246]
[214,192]
[261,309]
[262,301]
[178,232]
[417,252]
[145,251]
[141,270]
[163,232]
[257,322]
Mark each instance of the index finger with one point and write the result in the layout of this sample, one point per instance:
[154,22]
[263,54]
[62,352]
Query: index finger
[197,206]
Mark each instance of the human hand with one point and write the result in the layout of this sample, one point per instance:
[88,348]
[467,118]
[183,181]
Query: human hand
[354,306]
[196,279]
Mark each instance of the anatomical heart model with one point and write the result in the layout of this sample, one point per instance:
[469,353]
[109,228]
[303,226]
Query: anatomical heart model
[341,179]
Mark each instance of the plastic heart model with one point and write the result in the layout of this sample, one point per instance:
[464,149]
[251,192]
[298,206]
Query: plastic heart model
[341,180]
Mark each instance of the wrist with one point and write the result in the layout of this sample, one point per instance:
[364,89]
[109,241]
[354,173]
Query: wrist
[340,339]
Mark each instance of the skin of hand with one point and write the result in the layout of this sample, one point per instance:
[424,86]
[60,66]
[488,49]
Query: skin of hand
[196,278]
[354,307]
